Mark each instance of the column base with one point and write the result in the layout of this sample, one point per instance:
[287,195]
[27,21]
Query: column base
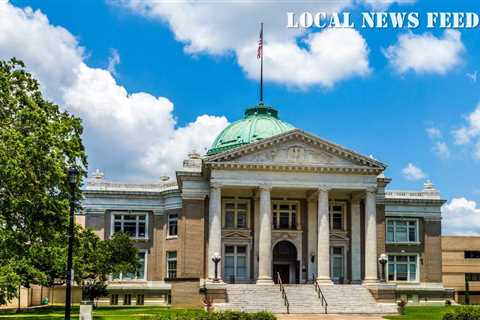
[372,281]
[265,281]
[324,281]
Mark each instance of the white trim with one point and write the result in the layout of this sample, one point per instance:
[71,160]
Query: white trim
[166,263]
[130,213]
[417,271]
[417,233]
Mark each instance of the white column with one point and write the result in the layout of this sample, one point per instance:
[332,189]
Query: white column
[356,241]
[215,229]
[370,238]
[265,238]
[323,243]
[312,238]
[256,236]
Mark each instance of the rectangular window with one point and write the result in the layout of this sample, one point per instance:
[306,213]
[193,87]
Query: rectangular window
[235,214]
[139,273]
[472,276]
[402,230]
[337,216]
[172,264]
[140,299]
[114,299]
[472,254]
[133,224]
[172,224]
[235,264]
[127,299]
[402,268]
[285,214]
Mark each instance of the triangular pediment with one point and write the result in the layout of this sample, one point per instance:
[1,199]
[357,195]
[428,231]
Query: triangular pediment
[297,149]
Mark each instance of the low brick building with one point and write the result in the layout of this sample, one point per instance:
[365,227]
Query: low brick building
[461,266]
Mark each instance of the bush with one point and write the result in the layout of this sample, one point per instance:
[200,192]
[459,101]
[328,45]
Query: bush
[225,315]
[463,313]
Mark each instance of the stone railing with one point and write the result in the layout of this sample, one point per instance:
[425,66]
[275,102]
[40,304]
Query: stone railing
[403,194]
[102,185]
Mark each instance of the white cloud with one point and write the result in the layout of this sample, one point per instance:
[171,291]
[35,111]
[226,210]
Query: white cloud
[469,134]
[323,59]
[113,61]
[441,149]
[434,132]
[383,4]
[413,173]
[121,127]
[426,53]
[461,216]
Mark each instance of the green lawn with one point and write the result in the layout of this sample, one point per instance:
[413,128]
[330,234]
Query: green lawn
[102,313]
[422,313]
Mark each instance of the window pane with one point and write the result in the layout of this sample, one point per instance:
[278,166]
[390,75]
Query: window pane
[117,226]
[229,249]
[241,266]
[413,272]
[413,259]
[130,217]
[242,206]
[142,217]
[402,272]
[141,230]
[129,227]
[412,234]
[241,249]
[230,219]
[230,206]
[402,235]
[390,234]
[241,219]
[229,267]
[402,258]
[337,221]
[294,220]
[391,272]
[275,225]
[284,219]
[141,269]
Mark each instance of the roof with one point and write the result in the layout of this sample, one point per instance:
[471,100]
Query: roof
[259,122]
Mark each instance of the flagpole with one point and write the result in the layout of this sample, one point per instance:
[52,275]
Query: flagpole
[261,65]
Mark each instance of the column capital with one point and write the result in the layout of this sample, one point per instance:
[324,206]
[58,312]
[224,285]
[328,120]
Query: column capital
[371,190]
[324,188]
[215,185]
[265,186]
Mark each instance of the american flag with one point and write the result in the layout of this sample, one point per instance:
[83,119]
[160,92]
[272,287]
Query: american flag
[260,44]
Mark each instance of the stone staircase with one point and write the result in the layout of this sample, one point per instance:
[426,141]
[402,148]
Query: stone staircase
[253,298]
[352,299]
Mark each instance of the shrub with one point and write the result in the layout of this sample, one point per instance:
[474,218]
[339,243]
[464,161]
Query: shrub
[463,313]
[225,315]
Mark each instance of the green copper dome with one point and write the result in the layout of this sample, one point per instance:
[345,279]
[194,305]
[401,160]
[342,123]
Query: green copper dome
[259,122]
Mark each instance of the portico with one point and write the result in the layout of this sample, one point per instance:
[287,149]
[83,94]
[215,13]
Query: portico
[295,188]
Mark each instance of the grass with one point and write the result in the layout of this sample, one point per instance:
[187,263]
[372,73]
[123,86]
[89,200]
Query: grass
[422,313]
[102,313]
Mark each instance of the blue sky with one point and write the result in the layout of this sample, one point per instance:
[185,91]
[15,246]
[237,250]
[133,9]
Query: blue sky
[379,109]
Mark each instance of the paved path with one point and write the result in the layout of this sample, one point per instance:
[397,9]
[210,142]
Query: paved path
[326,317]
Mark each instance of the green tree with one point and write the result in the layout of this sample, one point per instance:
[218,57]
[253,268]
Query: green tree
[38,142]
[95,260]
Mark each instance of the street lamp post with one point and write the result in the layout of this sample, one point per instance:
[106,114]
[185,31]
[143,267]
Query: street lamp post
[216,259]
[72,182]
[383,259]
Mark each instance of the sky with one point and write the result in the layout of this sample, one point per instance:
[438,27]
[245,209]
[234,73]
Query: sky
[154,80]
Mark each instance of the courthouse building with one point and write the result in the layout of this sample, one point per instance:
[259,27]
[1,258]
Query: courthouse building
[272,201]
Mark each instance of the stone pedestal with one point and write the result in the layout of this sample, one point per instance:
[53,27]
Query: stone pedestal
[86,310]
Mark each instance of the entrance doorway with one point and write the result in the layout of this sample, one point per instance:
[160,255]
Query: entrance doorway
[285,262]
[337,263]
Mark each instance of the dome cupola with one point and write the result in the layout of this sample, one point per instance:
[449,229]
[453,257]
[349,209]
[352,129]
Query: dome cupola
[259,122]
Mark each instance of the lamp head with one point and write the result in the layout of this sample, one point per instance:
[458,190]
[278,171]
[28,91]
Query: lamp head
[72,176]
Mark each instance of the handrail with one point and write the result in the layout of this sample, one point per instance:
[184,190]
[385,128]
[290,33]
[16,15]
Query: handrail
[320,294]
[284,294]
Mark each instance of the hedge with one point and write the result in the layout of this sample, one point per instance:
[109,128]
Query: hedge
[463,313]
[225,315]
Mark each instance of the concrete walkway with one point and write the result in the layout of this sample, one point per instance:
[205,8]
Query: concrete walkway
[326,317]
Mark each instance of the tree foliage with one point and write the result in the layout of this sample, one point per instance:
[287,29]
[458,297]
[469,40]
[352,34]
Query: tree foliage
[38,142]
